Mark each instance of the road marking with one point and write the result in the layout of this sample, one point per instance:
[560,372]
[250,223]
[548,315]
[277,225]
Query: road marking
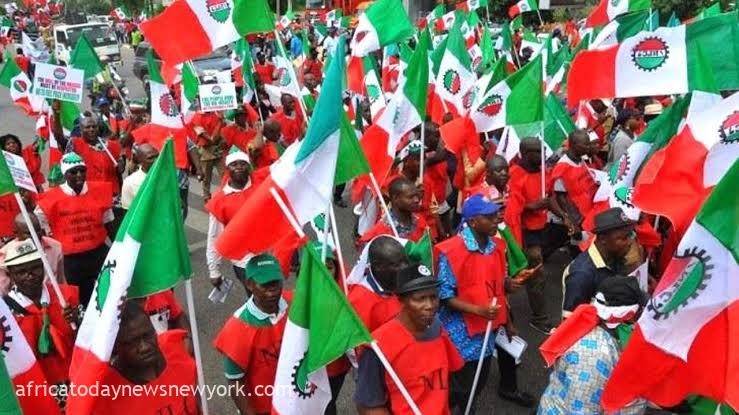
[197,245]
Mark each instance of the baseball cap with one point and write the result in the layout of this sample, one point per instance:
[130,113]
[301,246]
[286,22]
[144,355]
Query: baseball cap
[415,277]
[610,219]
[478,205]
[263,269]
[20,252]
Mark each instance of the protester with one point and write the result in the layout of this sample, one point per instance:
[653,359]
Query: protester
[239,134]
[472,273]
[251,339]
[414,334]
[222,207]
[405,200]
[586,347]
[100,155]
[603,259]
[65,208]
[627,123]
[263,69]
[146,155]
[51,247]
[30,155]
[47,326]
[207,129]
[291,122]
[269,153]
[313,66]
[160,362]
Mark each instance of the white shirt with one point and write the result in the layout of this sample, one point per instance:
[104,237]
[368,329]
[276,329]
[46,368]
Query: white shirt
[257,312]
[131,185]
[215,228]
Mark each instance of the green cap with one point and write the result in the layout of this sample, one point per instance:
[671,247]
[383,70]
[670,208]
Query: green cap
[263,269]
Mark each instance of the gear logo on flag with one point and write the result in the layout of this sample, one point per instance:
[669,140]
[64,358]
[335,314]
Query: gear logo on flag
[20,85]
[167,105]
[373,93]
[614,3]
[60,73]
[301,385]
[469,98]
[729,130]
[619,170]
[5,338]
[452,82]
[687,276]
[650,54]
[283,77]
[219,10]
[103,285]
[359,36]
[491,106]
[622,197]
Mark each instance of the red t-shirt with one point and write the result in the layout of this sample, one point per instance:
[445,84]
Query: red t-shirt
[233,135]
[292,127]
[264,72]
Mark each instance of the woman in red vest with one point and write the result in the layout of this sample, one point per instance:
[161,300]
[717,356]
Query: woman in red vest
[251,339]
[160,363]
[80,216]
[418,349]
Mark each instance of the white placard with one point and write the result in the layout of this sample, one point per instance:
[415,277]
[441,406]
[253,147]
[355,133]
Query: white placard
[217,97]
[58,82]
[19,171]
[515,347]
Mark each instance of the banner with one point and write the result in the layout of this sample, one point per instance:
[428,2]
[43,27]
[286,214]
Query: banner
[19,171]
[217,97]
[58,82]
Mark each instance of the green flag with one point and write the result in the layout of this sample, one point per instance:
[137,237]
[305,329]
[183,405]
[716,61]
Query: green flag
[8,400]
[152,226]
[85,58]
[515,257]
[421,251]
[7,185]
[321,327]
[517,22]
[674,21]
[253,16]
[351,161]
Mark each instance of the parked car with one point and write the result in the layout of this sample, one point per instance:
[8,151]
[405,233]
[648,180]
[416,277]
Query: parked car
[208,67]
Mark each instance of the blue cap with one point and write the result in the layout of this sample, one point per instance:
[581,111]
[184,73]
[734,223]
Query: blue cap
[101,101]
[478,205]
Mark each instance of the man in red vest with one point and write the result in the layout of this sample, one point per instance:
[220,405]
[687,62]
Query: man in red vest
[222,207]
[372,297]
[80,216]
[101,155]
[161,363]
[37,309]
[418,349]
[265,70]
[574,186]
[239,134]
[251,339]
[472,271]
[528,209]
[405,202]
[290,120]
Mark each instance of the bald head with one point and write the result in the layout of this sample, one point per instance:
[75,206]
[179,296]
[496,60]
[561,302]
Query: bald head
[386,256]
[272,130]
[146,155]
[579,143]
[21,228]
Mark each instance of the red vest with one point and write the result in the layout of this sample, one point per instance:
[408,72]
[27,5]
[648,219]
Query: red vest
[8,211]
[527,186]
[268,155]
[426,378]
[77,221]
[233,135]
[179,374]
[479,279]
[292,128]
[55,364]
[256,351]
[380,228]
[224,206]
[580,185]
[100,167]
[373,309]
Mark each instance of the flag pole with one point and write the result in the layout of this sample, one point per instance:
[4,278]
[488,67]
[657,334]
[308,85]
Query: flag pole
[195,341]
[326,232]
[543,164]
[293,73]
[286,211]
[107,151]
[383,204]
[396,379]
[485,340]
[538,13]
[337,243]
[423,151]
[45,261]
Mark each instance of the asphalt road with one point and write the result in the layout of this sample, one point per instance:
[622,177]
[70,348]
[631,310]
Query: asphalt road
[532,374]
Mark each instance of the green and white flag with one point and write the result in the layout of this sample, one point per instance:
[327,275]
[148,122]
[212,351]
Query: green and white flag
[556,127]
[135,267]
[321,327]
[383,23]
[7,185]
[190,85]
[375,93]
[455,77]
[5,26]
[121,12]
[287,80]
[20,86]
[516,100]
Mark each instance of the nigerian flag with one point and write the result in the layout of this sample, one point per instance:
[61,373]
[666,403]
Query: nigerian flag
[85,58]
[149,255]
[7,185]
[321,327]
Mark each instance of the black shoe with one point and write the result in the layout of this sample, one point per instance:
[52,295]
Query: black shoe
[518,397]
[340,203]
[542,327]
